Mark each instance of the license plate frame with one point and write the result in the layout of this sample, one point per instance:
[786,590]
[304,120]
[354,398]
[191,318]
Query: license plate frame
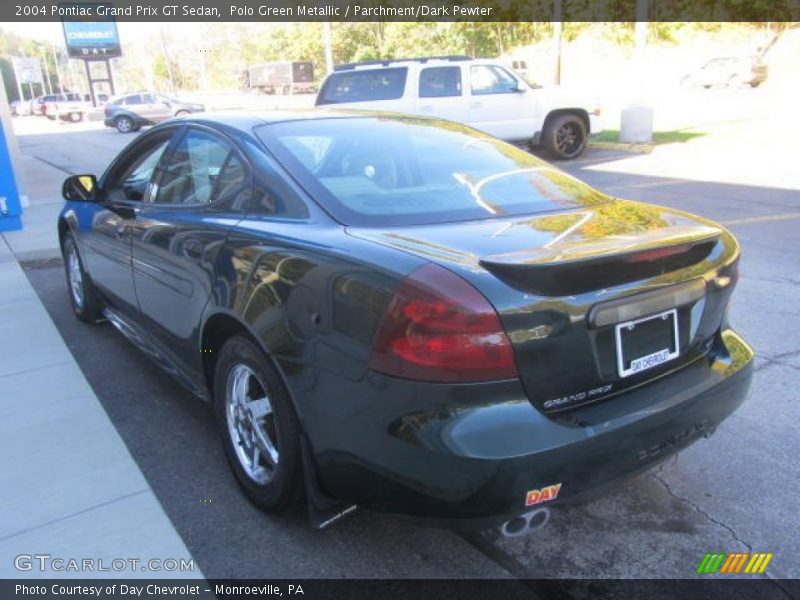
[651,360]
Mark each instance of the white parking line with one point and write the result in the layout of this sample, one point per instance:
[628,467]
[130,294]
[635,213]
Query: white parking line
[764,219]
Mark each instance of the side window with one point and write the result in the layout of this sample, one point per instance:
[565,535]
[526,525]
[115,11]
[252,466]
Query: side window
[362,86]
[197,167]
[135,99]
[148,99]
[489,79]
[440,82]
[131,184]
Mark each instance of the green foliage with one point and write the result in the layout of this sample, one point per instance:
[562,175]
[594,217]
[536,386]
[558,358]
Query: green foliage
[217,56]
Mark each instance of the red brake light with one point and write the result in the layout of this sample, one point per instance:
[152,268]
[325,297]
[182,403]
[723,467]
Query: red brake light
[438,327]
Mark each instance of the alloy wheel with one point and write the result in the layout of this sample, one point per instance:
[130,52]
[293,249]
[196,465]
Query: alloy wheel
[568,139]
[251,424]
[75,276]
[124,125]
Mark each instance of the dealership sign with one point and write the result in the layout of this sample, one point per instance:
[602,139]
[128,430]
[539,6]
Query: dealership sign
[27,70]
[91,40]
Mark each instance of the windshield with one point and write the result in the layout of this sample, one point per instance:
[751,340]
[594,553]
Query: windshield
[405,170]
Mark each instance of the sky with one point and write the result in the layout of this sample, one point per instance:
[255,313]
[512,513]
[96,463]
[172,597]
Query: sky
[52,32]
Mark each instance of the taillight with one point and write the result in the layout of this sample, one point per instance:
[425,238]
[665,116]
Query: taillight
[439,328]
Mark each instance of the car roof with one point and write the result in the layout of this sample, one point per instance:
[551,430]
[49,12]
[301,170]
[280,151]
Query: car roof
[433,61]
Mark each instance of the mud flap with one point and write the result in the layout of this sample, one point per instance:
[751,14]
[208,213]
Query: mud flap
[323,510]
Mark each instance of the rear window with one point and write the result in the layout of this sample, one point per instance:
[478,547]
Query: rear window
[364,86]
[386,171]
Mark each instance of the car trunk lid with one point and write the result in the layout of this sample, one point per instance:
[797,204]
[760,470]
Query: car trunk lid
[576,291]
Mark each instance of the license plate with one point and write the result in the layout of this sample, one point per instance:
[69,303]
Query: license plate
[647,342]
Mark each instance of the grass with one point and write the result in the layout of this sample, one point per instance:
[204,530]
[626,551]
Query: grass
[611,136]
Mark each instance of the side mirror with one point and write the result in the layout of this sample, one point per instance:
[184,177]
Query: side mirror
[80,187]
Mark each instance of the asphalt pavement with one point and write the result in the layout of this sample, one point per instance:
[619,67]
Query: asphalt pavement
[735,491]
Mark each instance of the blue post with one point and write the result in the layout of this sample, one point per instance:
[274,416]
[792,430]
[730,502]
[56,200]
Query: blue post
[10,209]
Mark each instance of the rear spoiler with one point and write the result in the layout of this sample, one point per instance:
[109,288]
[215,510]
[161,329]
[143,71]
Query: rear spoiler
[567,268]
[650,245]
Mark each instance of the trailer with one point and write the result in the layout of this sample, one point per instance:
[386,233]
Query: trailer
[284,77]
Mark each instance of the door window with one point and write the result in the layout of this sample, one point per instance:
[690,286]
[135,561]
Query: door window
[489,79]
[440,82]
[199,169]
[131,184]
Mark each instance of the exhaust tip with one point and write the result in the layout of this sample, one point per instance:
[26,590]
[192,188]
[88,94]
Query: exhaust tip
[525,523]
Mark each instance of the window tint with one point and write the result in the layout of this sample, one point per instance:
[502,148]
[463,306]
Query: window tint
[405,171]
[148,99]
[360,86]
[131,185]
[198,163]
[136,99]
[440,82]
[489,79]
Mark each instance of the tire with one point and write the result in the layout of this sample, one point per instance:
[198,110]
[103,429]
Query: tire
[565,137]
[124,124]
[76,117]
[181,113]
[82,295]
[243,373]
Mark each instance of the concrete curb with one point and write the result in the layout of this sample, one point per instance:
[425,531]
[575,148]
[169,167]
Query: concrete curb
[71,489]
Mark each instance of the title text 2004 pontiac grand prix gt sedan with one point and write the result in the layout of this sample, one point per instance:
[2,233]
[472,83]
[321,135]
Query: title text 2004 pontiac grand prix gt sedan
[406,314]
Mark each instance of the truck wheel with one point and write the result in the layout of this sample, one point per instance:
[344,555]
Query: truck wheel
[124,124]
[181,113]
[76,117]
[565,137]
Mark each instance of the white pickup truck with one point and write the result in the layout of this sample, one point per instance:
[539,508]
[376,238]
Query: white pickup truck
[481,93]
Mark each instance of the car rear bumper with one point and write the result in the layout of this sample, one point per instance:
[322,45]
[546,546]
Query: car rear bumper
[474,452]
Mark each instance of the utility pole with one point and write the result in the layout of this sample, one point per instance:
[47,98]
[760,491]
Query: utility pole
[167,60]
[326,28]
[17,79]
[58,71]
[47,82]
[636,120]
[558,21]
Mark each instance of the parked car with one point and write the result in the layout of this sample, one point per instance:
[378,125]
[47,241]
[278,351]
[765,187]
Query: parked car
[286,77]
[37,105]
[407,314]
[69,106]
[729,71]
[484,94]
[20,108]
[131,112]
